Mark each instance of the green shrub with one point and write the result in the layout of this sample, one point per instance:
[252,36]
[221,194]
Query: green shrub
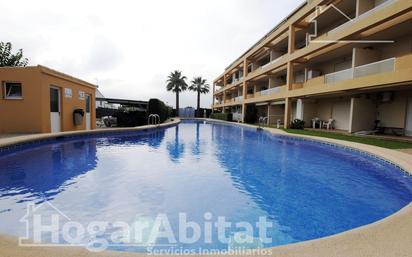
[155,106]
[202,111]
[297,124]
[221,116]
[131,119]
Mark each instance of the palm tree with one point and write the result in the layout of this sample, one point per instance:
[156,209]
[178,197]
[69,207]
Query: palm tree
[176,83]
[200,86]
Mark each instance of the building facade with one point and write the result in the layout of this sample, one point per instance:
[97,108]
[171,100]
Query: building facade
[41,100]
[343,61]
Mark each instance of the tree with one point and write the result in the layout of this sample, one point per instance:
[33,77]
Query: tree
[200,86]
[7,59]
[176,83]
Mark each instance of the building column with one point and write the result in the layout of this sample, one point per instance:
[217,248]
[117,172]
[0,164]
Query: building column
[243,102]
[291,41]
[245,64]
[213,96]
[224,100]
[290,76]
[268,121]
[288,112]
[299,109]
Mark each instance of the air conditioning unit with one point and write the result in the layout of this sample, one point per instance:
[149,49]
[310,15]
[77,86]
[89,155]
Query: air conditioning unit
[387,97]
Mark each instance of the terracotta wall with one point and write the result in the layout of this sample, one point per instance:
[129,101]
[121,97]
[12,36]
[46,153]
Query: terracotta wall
[68,104]
[22,115]
[32,113]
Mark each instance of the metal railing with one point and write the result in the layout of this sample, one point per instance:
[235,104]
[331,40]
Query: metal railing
[363,15]
[383,66]
[238,99]
[270,91]
[376,8]
[375,68]
[153,119]
[269,63]
[339,76]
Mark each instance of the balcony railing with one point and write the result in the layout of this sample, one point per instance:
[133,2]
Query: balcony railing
[339,76]
[271,91]
[363,15]
[269,63]
[376,8]
[238,99]
[383,66]
[375,68]
[237,80]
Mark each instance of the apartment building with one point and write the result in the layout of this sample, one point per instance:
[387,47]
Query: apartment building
[346,61]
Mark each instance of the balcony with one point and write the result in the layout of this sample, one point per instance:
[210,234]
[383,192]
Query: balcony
[273,65]
[269,63]
[375,68]
[339,76]
[238,99]
[387,65]
[272,91]
[362,16]
[375,9]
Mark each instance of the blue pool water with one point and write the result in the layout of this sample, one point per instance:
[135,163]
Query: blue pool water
[307,190]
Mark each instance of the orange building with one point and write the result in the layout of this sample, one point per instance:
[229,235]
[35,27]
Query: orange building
[41,100]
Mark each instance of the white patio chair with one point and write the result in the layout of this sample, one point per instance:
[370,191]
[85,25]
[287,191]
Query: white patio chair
[329,125]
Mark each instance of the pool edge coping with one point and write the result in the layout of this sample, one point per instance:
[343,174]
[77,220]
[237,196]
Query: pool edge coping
[387,237]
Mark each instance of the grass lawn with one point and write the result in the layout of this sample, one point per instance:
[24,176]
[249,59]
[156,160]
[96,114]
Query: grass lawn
[386,143]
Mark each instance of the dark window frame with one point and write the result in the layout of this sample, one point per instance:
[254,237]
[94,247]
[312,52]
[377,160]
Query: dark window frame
[5,93]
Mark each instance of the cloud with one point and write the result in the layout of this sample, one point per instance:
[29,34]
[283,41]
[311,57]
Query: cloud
[130,48]
[104,55]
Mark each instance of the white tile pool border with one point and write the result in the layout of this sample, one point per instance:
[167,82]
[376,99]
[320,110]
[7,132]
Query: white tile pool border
[388,237]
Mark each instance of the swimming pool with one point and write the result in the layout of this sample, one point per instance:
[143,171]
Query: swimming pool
[203,171]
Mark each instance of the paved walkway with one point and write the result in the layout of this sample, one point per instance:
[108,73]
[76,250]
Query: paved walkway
[13,135]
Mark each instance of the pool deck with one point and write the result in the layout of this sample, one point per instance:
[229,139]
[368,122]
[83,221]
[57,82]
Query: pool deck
[390,237]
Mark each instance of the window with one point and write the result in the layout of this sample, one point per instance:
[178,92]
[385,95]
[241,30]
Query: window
[12,90]
[54,100]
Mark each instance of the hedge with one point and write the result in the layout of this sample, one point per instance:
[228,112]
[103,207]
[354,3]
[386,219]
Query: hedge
[201,113]
[102,112]
[155,106]
[222,116]
[131,119]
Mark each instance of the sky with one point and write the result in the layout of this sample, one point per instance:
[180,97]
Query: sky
[130,47]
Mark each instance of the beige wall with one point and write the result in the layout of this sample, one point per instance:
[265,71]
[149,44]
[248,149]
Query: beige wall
[365,56]
[276,112]
[325,109]
[393,113]
[363,115]
[402,46]
[364,5]
[309,112]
